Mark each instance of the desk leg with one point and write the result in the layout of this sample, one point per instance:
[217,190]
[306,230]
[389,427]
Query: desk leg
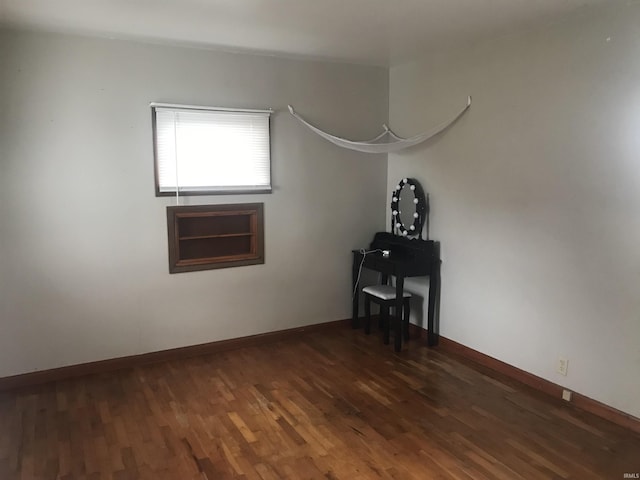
[397,319]
[355,321]
[434,288]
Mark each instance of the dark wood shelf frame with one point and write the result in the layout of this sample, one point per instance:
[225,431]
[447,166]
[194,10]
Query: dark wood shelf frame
[204,237]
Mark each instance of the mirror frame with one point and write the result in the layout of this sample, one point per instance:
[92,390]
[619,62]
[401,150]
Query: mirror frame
[421,209]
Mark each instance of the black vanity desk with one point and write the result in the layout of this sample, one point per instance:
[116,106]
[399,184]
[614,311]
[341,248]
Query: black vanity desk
[408,258]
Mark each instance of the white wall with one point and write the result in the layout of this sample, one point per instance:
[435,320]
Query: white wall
[83,241]
[535,196]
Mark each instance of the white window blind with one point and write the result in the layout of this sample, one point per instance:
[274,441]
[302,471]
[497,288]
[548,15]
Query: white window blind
[201,150]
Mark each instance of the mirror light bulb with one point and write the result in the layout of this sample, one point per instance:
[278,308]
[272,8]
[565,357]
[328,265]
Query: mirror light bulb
[397,187]
[415,215]
[412,187]
[398,225]
[395,199]
[413,227]
[395,212]
[405,180]
[405,233]
[415,200]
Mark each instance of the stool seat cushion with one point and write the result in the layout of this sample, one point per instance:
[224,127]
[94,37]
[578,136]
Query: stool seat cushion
[384,292]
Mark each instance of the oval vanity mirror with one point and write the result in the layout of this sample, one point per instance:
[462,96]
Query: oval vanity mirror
[408,208]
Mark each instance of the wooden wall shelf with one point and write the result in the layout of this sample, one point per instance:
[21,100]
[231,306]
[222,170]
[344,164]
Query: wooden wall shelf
[204,237]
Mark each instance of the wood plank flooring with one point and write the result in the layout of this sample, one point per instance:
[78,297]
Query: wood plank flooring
[327,405]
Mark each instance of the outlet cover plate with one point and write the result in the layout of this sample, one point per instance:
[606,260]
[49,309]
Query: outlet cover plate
[563,366]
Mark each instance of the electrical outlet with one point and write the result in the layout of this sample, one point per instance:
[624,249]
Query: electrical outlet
[566,395]
[563,366]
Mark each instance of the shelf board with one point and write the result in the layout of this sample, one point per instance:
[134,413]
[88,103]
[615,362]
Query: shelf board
[220,259]
[223,235]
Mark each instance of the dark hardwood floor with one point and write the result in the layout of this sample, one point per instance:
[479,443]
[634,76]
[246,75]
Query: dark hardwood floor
[328,405]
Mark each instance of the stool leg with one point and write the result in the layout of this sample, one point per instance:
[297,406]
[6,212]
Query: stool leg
[406,314]
[384,318]
[367,314]
[397,331]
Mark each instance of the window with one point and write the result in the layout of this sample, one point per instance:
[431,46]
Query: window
[202,237]
[202,150]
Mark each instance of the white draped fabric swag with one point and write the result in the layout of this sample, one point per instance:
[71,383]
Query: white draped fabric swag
[375,145]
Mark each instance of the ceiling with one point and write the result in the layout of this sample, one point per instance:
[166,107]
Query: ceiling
[376,32]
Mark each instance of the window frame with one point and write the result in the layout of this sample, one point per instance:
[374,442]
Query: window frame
[185,193]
